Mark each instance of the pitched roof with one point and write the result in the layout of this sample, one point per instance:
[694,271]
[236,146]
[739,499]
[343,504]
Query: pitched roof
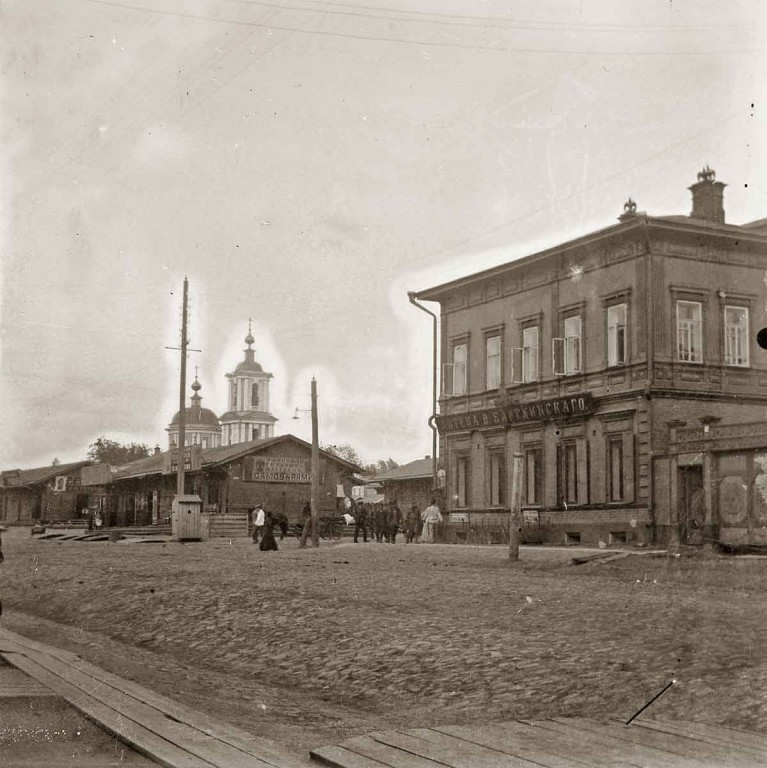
[418,469]
[212,457]
[42,474]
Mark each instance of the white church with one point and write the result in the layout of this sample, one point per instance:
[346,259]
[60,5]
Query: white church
[248,417]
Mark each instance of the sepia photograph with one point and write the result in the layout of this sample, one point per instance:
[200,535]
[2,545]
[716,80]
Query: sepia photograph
[383,383]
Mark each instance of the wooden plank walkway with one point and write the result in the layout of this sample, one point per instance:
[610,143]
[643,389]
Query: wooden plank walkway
[555,743]
[160,728]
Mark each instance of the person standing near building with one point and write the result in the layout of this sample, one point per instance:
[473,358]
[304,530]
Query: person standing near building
[431,517]
[267,539]
[360,515]
[393,522]
[412,523]
[380,518]
[258,521]
[306,519]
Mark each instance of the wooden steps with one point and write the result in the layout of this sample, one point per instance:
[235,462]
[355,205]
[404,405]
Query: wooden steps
[160,728]
[555,743]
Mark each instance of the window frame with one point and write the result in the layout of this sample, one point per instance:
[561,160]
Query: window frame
[456,343]
[490,335]
[745,307]
[611,440]
[496,499]
[461,460]
[691,302]
[538,478]
[618,362]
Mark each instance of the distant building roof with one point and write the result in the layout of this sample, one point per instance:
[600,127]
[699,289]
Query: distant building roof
[415,470]
[42,474]
[211,457]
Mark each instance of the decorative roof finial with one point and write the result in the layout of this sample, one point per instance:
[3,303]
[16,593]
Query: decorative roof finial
[706,174]
[249,338]
[629,206]
[196,386]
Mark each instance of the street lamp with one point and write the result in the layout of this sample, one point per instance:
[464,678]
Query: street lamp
[315,497]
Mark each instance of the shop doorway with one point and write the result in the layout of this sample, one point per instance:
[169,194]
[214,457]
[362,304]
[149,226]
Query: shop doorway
[691,506]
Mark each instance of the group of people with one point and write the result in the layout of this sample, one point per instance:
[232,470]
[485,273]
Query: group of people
[385,522]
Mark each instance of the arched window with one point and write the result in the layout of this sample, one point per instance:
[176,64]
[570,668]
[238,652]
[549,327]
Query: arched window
[233,397]
[254,395]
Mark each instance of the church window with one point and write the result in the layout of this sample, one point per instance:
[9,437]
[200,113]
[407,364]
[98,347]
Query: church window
[233,396]
[254,395]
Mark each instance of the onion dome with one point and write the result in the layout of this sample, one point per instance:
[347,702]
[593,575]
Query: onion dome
[196,414]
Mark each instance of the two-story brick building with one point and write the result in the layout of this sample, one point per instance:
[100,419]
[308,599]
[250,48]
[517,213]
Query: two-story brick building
[591,359]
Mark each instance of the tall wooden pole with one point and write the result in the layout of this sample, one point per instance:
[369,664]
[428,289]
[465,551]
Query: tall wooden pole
[315,469]
[515,515]
[182,397]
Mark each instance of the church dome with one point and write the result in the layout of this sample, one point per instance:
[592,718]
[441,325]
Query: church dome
[198,415]
[249,366]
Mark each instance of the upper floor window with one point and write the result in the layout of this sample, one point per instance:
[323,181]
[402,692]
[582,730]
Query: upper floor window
[493,361]
[616,335]
[233,396]
[736,336]
[530,353]
[689,331]
[254,395]
[566,352]
[455,373]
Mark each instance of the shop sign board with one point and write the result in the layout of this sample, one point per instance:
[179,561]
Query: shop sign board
[280,469]
[518,413]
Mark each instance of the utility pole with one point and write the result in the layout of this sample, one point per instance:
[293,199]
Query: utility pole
[315,469]
[515,515]
[182,396]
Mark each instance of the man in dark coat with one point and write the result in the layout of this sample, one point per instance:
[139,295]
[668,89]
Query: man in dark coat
[360,515]
[393,522]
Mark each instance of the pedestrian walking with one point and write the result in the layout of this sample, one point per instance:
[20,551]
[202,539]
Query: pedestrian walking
[360,515]
[258,517]
[306,518]
[412,523]
[431,517]
[267,539]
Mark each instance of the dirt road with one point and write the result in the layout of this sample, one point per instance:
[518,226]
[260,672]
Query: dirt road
[313,646]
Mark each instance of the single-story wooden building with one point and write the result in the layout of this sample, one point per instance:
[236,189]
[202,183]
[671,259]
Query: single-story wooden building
[409,484]
[51,493]
[229,479]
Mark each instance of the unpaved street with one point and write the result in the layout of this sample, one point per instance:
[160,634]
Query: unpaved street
[311,646]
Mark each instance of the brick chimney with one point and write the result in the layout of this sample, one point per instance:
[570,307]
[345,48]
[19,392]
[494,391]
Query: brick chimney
[708,197]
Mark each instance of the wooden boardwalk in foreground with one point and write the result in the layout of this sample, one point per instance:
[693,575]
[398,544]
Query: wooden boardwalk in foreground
[176,736]
[167,732]
[556,743]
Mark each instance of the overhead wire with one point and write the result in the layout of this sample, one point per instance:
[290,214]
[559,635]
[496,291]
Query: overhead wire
[739,50]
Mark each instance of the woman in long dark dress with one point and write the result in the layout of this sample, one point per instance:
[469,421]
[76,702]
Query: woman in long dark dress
[267,539]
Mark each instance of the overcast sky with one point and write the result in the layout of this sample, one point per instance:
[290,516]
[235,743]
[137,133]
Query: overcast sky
[306,163]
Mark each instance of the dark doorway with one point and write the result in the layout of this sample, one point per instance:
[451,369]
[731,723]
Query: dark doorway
[691,507]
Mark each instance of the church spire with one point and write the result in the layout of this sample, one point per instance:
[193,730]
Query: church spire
[196,387]
[249,352]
